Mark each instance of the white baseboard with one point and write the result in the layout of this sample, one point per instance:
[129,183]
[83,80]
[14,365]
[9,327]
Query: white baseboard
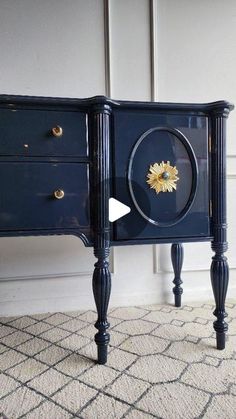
[64,294]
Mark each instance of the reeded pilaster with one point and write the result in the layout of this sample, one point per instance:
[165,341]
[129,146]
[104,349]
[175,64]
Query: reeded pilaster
[219,265]
[100,202]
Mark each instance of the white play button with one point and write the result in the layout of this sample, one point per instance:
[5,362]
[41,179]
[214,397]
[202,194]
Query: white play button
[117,209]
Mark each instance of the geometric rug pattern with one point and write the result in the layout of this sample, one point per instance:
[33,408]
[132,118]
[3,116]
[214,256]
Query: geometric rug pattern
[162,363]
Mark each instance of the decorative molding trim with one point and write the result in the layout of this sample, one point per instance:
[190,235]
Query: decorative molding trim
[45,277]
[107,47]
[170,271]
[112,260]
[50,304]
[231,164]
[107,37]
[70,303]
[153,49]
[205,294]
[153,88]
[155,259]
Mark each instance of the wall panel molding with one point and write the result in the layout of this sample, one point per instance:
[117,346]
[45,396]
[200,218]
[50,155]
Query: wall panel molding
[107,37]
[130,49]
[46,277]
[153,93]
[231,166]
[153,49]
[108,92]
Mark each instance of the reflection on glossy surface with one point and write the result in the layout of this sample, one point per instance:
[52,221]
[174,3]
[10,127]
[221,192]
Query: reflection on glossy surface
[29,133]
[37,208]
[171,143]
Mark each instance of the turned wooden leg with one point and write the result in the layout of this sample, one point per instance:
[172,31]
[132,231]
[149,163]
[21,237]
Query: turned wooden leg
[101,291]
[219,265]
[177,255]
[219,280]
[101,227]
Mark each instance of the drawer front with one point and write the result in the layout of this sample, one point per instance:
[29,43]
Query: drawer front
[27,200]
[32,133]
[146,145]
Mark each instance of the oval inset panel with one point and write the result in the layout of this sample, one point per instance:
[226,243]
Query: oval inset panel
[154,146]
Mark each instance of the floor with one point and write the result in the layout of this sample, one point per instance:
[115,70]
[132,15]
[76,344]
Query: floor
[162,364]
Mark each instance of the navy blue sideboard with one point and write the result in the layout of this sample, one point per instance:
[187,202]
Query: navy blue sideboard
[62,159]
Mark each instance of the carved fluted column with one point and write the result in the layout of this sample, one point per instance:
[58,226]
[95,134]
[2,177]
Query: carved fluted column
[219,266]
[100,201]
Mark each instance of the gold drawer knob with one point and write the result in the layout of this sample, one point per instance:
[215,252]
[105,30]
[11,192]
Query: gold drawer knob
[57,131]
[162,177]
[59,194]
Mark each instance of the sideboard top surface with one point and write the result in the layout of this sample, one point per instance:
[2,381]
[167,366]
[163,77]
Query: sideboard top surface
[13,100]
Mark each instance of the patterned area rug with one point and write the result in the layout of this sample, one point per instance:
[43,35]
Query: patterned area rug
[162,363]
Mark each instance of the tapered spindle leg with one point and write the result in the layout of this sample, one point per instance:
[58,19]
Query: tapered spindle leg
[177,255]
[219,265]
[101,291]
[101,226]
[219,280]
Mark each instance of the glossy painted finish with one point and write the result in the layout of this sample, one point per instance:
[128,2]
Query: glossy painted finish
[219,244]
[177,257]
[28,202]
[106,150]
[151,137]
[101,225]
[29,133]
[175,147]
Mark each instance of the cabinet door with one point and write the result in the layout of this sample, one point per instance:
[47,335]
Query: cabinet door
[149,142]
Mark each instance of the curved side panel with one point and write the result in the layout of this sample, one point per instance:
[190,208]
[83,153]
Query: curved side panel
[167,136]
[24,233]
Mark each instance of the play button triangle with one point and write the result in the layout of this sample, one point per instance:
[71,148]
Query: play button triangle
[117,209]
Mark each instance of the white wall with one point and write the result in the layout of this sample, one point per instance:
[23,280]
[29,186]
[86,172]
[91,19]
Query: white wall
[57,48]
[196,43]
[52,48]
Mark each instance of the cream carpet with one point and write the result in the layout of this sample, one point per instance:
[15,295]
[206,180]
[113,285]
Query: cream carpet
[162,364]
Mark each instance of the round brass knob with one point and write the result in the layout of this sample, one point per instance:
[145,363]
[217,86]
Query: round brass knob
[57,131]
[59,194]
[165,175]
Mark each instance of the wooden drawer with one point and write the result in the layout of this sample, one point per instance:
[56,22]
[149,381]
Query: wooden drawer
[27,200]
[29,133]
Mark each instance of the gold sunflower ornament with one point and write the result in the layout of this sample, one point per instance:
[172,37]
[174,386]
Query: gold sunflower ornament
[162,177]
